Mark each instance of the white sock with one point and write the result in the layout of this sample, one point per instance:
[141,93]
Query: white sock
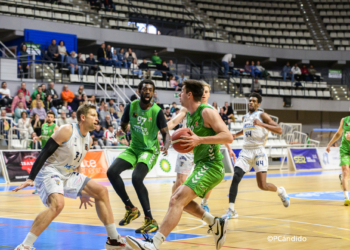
[205,201]
[208,218]
[158,239]
[30,239]
[112,231]
[279,190]
[346,194]
[232,206]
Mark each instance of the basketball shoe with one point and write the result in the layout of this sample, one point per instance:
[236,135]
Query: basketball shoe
[230,214]
[117,244]
[284,197]
[22,247]
[218,230]
[130,215]
[138,244]
[346,202]
[149,226]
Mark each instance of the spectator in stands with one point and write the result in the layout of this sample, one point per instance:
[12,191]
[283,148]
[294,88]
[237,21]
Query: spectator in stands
[39,90]
[247,68]
[80,58]
[80,91]
[256,87]
[52,91]
[296,72]
[63,119]
[111,104]
[36,123]
[66,94]
[103,113]
[36,144]
[92,100]
[175,113]
[115,59]
[109,5]
[114,116]
[5,124]
[43,88]
[144,66]
[235,73]
[134,96]
[255,71]
[121,111]
[305,74]
[155,58]
[215,106]
[18,98]
[225,61]
[48,105]
[107,122]
[95,144]
[85,100]
[94,67]
[224,117]
[167,114]
[287,72]
[172,69]
[73,64]
[312,74]
[181,79]
[96,3]
[24,123]
[102,56]
[52,51]
[17,112]
[36,100]
[135,69]
[173,107]
[39,109]
[173,83]
[25,91]
[228,111]
[23,61]
[62,51]
[155,98]
[110,57]
[6,98]
[110,136]
[130,57]
[73,117]
[164,70]
[98,134]
[100,108]
[264,72]
[121,57]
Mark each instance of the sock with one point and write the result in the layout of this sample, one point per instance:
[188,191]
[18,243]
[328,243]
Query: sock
[158,239]
[232,206]
[208,218]
[30,239]
[346,195]
[279,190]
[205,202]
[112,231]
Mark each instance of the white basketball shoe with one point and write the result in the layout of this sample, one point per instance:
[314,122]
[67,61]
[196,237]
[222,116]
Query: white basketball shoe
[218,229]
[230,214]
[117,244]
[139,244]
[284,197]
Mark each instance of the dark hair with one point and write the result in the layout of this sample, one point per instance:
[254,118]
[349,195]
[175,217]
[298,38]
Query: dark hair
[51,113]
[94,139]
[84,109]
[257,96]
[167,108]
[47,97]
[147,81]
[38,94]
[195,87]
[23,45]
[177,109]
[121,50]
[62,42]
[122,104]
[2,84]
[24,112]
[110,125]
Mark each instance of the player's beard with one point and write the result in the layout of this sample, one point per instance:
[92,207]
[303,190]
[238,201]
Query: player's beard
[144,100]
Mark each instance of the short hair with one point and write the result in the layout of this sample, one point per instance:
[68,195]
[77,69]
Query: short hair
[110,125]
[195,87]
[94,139]
[62,42]
[24,112]
[258,96]
[84,109]
[174,103]
[177,109]
[122,104]
[51,113]
[147,81]
[167,108]
[206,85]
[2,84]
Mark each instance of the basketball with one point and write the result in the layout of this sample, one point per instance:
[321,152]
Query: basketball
[177,136]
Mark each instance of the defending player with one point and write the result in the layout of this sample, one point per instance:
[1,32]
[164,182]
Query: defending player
[208,131]
[146,119]
[55,177]
[344,131]
[184,162]
[256,127]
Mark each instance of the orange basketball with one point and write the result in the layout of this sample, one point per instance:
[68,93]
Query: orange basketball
[177,136]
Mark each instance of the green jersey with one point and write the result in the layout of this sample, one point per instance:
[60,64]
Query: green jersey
[46,132]
[143,126]
[203,152]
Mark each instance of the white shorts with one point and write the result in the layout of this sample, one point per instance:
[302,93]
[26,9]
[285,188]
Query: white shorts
[256,158]
[184,163]
[49,181]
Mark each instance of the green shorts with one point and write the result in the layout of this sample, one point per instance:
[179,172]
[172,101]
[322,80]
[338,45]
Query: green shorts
[134,156]
[344,159]
[205,176]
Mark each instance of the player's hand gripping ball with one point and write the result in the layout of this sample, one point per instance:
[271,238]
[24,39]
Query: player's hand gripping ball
[176,137]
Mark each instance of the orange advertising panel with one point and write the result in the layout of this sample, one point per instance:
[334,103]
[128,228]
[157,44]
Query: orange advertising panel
[95,165]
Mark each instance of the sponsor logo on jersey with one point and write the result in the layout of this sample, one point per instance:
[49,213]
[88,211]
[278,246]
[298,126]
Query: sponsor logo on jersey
[54,176]
[134,114]
[183,158]
[165,165]
[150,119]
[69,167]
[57,182]
[299,159]
[86,147]
[143,156]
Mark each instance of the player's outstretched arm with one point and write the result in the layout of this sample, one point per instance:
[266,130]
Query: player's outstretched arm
[336,136]
[177,119]
[268,124]
[61,135]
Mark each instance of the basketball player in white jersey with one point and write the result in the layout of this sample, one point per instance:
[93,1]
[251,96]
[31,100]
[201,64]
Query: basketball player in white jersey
[56,174]
[256,127]
[184,162]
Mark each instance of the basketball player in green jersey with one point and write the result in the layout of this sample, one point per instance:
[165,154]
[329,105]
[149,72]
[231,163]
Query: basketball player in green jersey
[146,120]
[47,129]
[344,132]
[208,131]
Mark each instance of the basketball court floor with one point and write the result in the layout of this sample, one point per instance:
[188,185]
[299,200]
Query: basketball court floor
[316,218]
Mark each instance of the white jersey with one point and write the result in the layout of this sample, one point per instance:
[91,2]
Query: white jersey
[70,154]
[253,136]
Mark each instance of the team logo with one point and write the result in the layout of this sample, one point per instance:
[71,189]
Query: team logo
[86,147]
[57,182]
[134,115]
[150,119]
[299,159]
[346,124]
[165,165]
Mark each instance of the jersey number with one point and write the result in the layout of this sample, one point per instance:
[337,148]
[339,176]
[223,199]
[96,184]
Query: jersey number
[141,120]
[258,163]
[248,134]
[77,155]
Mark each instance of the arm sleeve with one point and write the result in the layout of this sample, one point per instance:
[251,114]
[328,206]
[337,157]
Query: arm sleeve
[126,114]
[161,122]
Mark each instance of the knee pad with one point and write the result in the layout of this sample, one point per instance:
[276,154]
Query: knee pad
[238,174]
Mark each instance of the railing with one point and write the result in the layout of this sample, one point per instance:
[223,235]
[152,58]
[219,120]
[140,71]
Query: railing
[240,104]
[106,84]
[5,52]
